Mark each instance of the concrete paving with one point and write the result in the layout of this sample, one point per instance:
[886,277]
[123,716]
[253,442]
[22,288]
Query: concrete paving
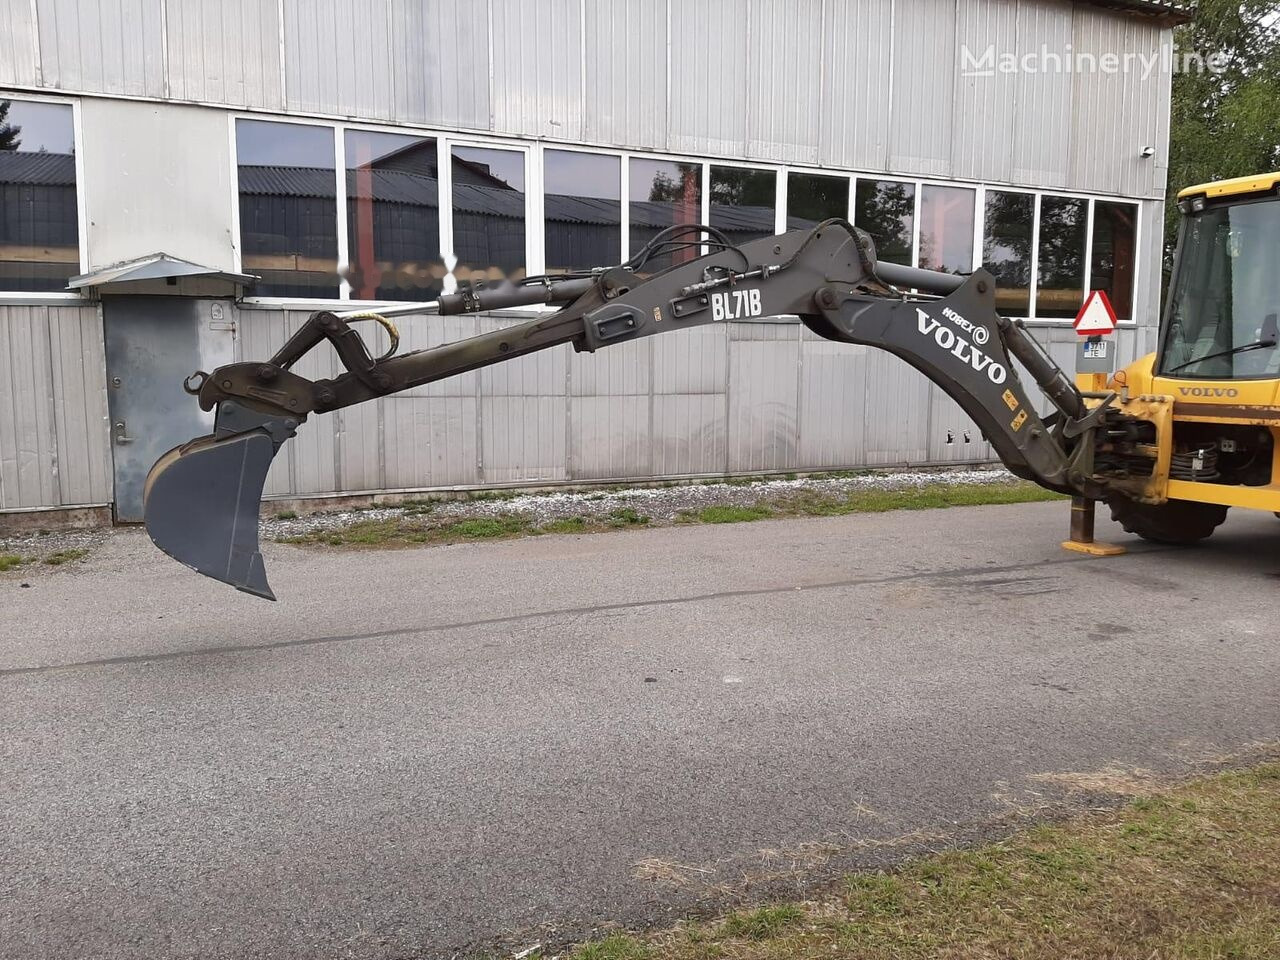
[424,752]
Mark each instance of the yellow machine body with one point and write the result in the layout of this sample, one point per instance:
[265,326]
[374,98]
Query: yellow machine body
[1167,402]
[1173,402]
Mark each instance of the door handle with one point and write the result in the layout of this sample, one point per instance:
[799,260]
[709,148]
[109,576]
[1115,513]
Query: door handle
[121,436]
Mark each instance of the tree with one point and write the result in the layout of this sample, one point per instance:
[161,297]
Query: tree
[1224,121]
[884,209]
[9,139]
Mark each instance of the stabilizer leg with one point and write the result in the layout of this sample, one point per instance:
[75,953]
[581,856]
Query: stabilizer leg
[1082,516]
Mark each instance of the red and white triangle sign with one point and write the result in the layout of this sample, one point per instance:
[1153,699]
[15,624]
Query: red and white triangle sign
[1096,316]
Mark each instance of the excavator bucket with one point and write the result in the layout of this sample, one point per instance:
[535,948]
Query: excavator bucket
[202,499]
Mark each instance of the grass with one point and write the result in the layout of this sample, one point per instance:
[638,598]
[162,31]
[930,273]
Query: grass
[626,517]
[931,497]
[64,556]
[728,514]
[417,526]
[566,525]
[1188,872]
[10,561]
[407,530]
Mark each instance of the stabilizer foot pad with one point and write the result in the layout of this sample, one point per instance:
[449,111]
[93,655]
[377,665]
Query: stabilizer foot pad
[1094,549]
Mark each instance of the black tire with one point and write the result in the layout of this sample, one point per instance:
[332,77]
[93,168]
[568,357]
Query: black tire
[1174,521]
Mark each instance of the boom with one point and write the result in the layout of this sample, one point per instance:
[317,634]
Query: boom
[202,498]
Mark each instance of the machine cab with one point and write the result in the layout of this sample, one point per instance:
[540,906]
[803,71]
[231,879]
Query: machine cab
[1221,322]
[1219,353]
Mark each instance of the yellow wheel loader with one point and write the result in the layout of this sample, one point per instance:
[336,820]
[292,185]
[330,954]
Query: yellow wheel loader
[1169,443]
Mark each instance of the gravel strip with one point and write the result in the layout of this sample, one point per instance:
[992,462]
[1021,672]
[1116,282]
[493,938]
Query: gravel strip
[38,546]
[659,503]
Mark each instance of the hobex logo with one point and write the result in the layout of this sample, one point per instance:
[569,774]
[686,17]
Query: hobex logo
[958,346]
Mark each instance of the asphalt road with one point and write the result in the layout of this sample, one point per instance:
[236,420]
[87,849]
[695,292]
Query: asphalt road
[421,752]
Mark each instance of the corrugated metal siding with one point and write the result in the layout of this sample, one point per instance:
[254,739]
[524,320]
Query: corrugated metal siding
[741,397]
[708,69]
[537,67]
[19,43]
[439,57]
[53,408]
[1115,116]
[924,77]
[864,84]
[784,80]
[335,56]
[625,98]
[1042,135]
[115,47]
[986,107]
[225,51]
[857,78]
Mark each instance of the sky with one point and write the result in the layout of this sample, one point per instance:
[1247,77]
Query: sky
[47,125]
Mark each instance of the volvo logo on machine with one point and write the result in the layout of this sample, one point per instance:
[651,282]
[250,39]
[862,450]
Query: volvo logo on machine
[959,347]
[1209,391]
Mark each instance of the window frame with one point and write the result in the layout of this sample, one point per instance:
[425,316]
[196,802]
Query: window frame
[624,191]
[37,297]
[535,187]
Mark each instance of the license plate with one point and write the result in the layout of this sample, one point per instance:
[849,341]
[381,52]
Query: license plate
[1095,350]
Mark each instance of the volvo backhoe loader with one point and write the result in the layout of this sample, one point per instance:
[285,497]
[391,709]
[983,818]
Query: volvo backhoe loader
[1169,442]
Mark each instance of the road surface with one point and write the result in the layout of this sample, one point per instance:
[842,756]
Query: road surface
[424,752]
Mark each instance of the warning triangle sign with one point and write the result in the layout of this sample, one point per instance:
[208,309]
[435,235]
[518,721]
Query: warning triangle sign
[1096,316]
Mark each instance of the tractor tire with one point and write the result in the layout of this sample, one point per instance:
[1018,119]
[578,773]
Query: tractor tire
[1174,521]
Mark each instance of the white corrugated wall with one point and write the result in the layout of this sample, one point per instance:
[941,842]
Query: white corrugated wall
[863,85]
[53,408]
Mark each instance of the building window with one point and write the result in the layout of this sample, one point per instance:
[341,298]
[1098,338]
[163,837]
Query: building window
[886,210]
[288,208]
[1060,275]
[582,210]
[488,214]
[743,202]
[663,193]
[1114,238]
[393,217]
[946,229]
[1006,249]
[39,219]
[812,199]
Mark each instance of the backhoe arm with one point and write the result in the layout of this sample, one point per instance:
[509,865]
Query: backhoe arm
[202,498]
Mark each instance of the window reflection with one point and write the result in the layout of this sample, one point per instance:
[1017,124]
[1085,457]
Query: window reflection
[488,214]
[39,223]
[393,217]
[1060,289]
[886,210]
[946,229]
[1006,249]
[812,199]
[1114,236]
[582,210]
[288,208]
[743,202]
[663,193]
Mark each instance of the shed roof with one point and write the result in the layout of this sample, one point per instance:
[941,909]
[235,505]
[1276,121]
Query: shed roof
[1171,12]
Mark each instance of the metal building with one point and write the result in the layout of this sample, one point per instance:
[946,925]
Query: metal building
[181,181]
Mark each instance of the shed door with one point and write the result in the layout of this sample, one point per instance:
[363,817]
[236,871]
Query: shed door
[153,343]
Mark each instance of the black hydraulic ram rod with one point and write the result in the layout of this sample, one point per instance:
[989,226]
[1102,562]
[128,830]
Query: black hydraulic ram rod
[480,299]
